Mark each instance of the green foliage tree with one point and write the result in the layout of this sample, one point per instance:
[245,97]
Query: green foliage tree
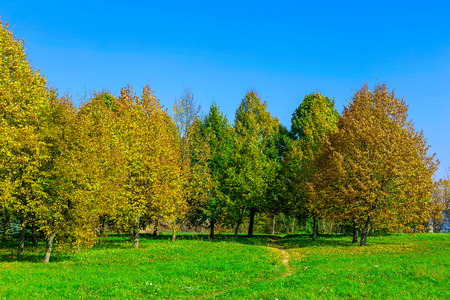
[312,122]
[215,136]
[254,161]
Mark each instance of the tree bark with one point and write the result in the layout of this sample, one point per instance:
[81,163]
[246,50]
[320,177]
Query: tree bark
[21,241]
[252,220]
[273,225]
[174,232]
[315,227]
[211,229]
[33,235]
[155,231]
[136,234]
[50,240]
[293,225]
[323,226]
[5,219]
[355,233]
[365,232]
[236,231]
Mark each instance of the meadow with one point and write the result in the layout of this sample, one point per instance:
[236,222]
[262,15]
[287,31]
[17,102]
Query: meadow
[399,266]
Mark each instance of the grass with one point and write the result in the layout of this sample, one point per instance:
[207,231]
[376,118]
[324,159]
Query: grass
[395,266]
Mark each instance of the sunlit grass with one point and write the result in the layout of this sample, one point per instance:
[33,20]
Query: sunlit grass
[193,267]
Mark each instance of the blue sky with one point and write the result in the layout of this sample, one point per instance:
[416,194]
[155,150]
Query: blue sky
[284,50]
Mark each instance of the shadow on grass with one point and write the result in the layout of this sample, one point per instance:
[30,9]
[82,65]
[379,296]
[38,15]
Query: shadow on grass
[31,254]
[8,249]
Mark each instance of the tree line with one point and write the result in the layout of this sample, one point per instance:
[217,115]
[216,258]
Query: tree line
[122,162]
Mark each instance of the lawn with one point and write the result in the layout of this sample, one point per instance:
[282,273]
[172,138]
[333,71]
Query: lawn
[262,267]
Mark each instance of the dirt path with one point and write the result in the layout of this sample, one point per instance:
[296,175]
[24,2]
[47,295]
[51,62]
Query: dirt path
[284,254]
[277,249]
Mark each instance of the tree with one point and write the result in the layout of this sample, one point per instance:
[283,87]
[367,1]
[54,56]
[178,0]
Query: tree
[154,181]
[194,152]
[213,135]
[312,122]
[375,168]
[254,161]
[439,210]
[23,102]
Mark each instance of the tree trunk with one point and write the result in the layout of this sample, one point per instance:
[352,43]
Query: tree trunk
[252,220]
[355,233]
[315,227]
[236,231]
[174,232]
[33,235]
[50,240]
[155,231]
[273,225]
[293,225]
[21,241]
[211,229]
[136,234]
[323,226]
[365,232]
[5,224]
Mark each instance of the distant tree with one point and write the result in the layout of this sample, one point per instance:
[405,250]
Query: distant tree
[254,162]
[439,210]
[376,169]
[312,122]
[195,152]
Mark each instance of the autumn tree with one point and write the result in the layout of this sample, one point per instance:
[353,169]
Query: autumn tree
[439,206]
[312,122]
[23,102]
[254,161]
[376,169]
[154,181]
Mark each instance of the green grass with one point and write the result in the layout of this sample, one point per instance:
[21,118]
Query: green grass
[390,267]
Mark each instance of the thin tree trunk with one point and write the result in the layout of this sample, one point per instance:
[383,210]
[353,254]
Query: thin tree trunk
[21,241]
[252,220]
[5,224]
[273,225]
[33,235]
[48,251]
[293,225]
[365,232]
[236,231]
[174,232]
[211,229]
[315,227]
[323,226]
[155,231]
[136,234]
[355,233]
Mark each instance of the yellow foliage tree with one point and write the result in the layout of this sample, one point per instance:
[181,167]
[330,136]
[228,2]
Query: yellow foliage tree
[376,169]
[154,181]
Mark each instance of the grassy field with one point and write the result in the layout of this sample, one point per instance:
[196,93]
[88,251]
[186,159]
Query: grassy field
[262,267]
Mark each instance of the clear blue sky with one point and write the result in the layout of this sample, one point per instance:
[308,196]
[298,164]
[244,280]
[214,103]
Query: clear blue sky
[221,49]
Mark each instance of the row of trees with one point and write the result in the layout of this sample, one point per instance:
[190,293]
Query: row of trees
[123,162]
